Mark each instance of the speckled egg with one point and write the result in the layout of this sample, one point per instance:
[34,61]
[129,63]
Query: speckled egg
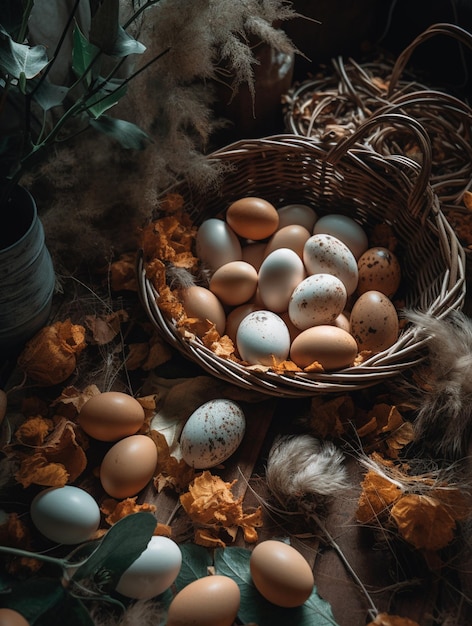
[212,433]
[344,228]
[262,338]
[325,254]
[318,299]
[379,270]
[374,322]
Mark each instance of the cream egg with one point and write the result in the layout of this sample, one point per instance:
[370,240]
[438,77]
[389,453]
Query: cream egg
[128,466]
[252,218]
[327,254]
[281,574]
[216,243]
[111,415]
[300,214]
[330,346]
[263,337]
[281,271]
[212,433]
[374,322]
[208,601]
[67,515]
[153,572]
[344,228]
[235,316]
[201,303]
[318,299]
[234,283]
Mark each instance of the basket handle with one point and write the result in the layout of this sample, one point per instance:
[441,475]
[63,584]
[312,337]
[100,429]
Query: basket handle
[452,30]
[423,170]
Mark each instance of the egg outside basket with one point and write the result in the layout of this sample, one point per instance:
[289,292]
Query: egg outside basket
[354,180]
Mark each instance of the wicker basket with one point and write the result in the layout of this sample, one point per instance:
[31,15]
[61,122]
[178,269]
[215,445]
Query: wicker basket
[355,180]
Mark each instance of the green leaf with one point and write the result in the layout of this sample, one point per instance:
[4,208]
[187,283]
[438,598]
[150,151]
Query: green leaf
[83,53]
[195,563]
[17,59]
[107,34]
[234,562]
[49,96]
[71,611]
[106,96]
[127,134]
[35,597]
[118,549]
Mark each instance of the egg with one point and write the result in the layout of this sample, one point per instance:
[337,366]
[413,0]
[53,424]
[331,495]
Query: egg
[212,433]
[292,329]
[300,214]
[342,321]
[128,466]
[67,515]
[293,237]
[216,243]
[281,271]
[329,255]
[10,617]
[235,316]
[111,415]
[374,322]
[344,228]
[330,346]
[234,283]
[254,253]
[379,270]
[263,337]
[252,218]
[153,572]
[201,303]
[318,299]
[208,601]
[281,574]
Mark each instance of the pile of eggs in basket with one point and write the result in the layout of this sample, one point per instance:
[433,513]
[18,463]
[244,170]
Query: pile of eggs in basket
[286,284]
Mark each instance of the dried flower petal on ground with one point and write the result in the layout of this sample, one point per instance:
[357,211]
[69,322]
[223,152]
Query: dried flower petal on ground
[105,328]
[383,619]
[115,510]
[378,494]
[212,506]
[123,273]
[171,473]
[50,357]
[15,534]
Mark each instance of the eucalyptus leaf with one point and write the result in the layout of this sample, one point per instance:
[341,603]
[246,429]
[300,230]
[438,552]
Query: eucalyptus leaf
[107,34]
[49,96]
[17,58]
[107,94]
[195,563]
[234,562]
[83,55]
[127,134]
[118,549]
[71,611]
[35,597]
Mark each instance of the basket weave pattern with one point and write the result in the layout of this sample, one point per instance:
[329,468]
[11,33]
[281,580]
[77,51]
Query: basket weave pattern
[355,180]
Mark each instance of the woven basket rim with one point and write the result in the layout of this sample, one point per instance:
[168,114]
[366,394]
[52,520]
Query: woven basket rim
[408,351]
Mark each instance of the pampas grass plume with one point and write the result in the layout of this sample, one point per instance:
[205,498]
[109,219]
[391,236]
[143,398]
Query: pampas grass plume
[300,465]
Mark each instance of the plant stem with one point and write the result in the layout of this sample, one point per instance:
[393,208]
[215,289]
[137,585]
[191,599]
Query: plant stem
[33,555]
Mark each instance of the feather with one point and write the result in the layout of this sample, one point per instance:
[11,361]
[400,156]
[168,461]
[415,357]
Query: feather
[444,418]
[300,465]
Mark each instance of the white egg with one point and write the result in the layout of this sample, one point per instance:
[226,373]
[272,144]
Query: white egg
[153,572]
[318,299]
[263,337]
[216,243]
[344,228]
[212,433]
[280,273]
[301,214]
[67,515]
[325,254]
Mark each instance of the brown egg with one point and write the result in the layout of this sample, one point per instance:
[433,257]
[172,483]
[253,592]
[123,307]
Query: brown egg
[252,218]
[209,601]
[111,415]
[128,466]
[235,316]
[281,574]
[374,322]
[201,303]
[293,237]
[234,283]
[379,270]
[10,617]
[332,347]
[254,253]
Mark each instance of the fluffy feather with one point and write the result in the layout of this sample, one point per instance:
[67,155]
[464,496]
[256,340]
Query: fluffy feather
[300,465]
[444,419]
